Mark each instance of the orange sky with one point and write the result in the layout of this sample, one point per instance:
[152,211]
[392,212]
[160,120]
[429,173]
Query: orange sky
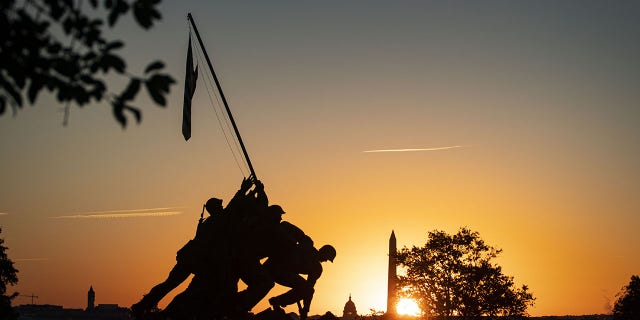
[540,97]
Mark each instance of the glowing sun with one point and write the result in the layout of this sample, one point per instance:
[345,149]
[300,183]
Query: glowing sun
[408,307]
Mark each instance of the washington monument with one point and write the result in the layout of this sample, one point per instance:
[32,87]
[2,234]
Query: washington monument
[393,277]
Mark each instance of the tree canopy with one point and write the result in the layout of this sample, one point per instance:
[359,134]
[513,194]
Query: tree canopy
[627,307]
[58,46]
[8,277]
[454,275]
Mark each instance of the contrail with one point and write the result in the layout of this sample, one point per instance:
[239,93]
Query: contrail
[30,259]
[130,210]
[130,213]
[412,150]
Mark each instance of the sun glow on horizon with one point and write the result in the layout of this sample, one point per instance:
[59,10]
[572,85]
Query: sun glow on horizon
[408,307]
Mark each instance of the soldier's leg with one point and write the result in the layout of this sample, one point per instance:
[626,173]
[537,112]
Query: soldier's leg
[300,290]
[177,275]
[208,296]
[258,282]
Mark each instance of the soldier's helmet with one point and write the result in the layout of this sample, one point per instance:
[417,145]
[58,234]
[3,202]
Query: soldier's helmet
[275,209]
[327,252]
[213,205]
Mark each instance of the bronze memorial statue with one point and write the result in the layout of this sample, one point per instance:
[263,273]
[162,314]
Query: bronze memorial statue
[229,246]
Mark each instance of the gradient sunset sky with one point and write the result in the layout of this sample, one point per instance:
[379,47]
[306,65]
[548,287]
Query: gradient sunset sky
[522,119]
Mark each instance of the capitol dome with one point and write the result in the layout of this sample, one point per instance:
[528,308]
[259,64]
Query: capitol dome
[349,312]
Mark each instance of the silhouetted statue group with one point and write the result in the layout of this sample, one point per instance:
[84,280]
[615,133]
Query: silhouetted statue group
[229,246]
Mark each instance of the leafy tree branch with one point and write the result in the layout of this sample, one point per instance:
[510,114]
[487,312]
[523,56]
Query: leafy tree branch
[33,59]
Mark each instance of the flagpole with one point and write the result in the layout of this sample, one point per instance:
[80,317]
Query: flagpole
[224,100]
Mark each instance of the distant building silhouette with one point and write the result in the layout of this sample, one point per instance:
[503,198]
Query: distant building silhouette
[349,312]
[91,299]
[392,280]
[92,312]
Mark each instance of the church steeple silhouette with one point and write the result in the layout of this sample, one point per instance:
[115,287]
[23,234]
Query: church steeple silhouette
[91,299]
[392,285]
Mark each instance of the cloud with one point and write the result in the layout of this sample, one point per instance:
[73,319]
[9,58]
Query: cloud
[414,150]
[30,259]
[119,214]
[4,213]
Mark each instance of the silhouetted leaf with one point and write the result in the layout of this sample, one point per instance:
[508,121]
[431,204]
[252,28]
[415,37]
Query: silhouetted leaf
[97,93]
[89,56]
[98,87]
[2,105]
[34,89]
[94,67]
[136,113]
[154,66]
[63,94]
[157,86]
[50,83]
[67,25]
[81,22]
[79,95]
[113,16]
[56,10]
[42,27]
[19,78]
[145,12]
[12,91]
[121,7]
[68,68]
[92,36]
[161,81]
[132,89]
[97,23]
[112,61]
[118,112]
[86,79]
[156,94]
[114,45]
[119,109]
[94,3]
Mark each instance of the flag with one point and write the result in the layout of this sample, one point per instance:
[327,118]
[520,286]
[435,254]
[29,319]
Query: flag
[190,78]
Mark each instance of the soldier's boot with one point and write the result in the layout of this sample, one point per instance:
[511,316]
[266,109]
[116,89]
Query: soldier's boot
[142,308]
[276,304]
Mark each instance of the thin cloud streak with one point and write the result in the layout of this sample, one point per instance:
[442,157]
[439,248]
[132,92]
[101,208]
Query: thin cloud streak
[30,259]
[119,214]
[413,150]
[4,213]
[131,210]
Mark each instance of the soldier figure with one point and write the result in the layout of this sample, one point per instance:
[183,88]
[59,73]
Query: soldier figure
[187,261]
[286,271]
